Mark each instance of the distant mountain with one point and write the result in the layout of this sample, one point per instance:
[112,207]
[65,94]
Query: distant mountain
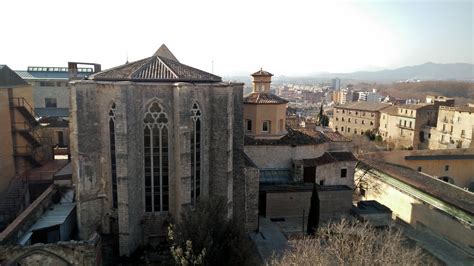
[427,71]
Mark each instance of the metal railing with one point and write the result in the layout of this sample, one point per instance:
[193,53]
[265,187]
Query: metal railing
[22,102]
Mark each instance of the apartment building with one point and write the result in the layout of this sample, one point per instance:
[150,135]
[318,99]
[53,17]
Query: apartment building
[455,128]
[402,126]
[356,118]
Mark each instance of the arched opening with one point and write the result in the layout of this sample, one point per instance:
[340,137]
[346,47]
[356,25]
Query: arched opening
[156,158]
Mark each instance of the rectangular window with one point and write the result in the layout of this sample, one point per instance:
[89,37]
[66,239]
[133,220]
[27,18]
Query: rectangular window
[50,102]
[343,172]
[419,169]
[266,126]
[248,122]
[446,168]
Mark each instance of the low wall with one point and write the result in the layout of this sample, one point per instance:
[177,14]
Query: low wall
[60,253]
[292,204]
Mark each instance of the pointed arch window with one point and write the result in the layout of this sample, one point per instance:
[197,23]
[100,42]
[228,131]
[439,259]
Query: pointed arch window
[113,158]
[156,160]
[195,153]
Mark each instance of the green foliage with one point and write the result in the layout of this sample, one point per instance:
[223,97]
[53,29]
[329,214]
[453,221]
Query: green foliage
[370,134]
[378,138]
[184,255]
[323,120]
[314,212]
[207,236]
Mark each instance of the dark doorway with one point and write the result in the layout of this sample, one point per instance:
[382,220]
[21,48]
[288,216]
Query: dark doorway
[262,203]
[309,174]
[60,139]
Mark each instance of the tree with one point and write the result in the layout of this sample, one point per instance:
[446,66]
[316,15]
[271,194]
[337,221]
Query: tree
[353,243]
[205,235]
[323,120]
[314,211]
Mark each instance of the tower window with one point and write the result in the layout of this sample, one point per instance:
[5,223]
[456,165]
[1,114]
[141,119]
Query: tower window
[266,126]
[248,124]
[156,158]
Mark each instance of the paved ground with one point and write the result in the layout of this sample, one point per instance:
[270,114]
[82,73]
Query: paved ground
[269,240]
[438,247]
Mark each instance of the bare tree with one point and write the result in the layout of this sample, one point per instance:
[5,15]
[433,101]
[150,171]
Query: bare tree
[347,243]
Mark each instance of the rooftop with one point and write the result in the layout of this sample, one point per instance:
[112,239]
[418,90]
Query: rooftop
[330,157]
[391,110]
[364,106]
[10,79]
[293,137]
[52,112]
[51,73]
[414,106]
[263,98]
[441,190]
[261,73]
[161,67]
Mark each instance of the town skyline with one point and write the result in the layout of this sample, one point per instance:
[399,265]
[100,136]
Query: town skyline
[301,39]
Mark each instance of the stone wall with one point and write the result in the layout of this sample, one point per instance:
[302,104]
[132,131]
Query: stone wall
[221,107]
[82,253]
[28,217]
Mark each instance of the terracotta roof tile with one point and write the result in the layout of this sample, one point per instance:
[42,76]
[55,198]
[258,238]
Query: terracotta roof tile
[293,137]
[263,98]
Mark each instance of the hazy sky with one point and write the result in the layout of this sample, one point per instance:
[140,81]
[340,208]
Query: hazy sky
[240,36]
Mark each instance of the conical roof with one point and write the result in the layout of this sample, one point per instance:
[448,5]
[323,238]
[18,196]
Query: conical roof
[163,66]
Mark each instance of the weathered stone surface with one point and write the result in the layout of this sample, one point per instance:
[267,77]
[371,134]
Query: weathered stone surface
[221,169]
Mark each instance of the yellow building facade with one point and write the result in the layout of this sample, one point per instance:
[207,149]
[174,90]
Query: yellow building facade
[264,112]
[19,136]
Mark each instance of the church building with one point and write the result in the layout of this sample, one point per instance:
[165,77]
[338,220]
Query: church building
[149,139]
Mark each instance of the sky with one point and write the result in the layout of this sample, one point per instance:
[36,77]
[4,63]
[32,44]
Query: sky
[238,37]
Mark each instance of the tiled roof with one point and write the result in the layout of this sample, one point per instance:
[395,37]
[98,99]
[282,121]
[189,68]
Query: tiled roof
[161,67]
[261,73]
[293,137]
[364,106]
[414,106]
[330,157]
[437,188]
[263,98]
[10,79]
[391,110]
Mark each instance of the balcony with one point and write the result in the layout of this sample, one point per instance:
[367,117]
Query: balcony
[449,121]
[405,127]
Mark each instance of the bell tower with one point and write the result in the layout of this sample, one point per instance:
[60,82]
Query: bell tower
[261,81]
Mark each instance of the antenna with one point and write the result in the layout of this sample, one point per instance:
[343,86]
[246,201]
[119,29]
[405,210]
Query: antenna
[126,62]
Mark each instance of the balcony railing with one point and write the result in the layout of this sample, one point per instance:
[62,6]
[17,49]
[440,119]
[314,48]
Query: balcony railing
[405,127]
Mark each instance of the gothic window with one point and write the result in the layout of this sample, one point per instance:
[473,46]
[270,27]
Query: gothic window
[156,160]
[196,153]
[113,158]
